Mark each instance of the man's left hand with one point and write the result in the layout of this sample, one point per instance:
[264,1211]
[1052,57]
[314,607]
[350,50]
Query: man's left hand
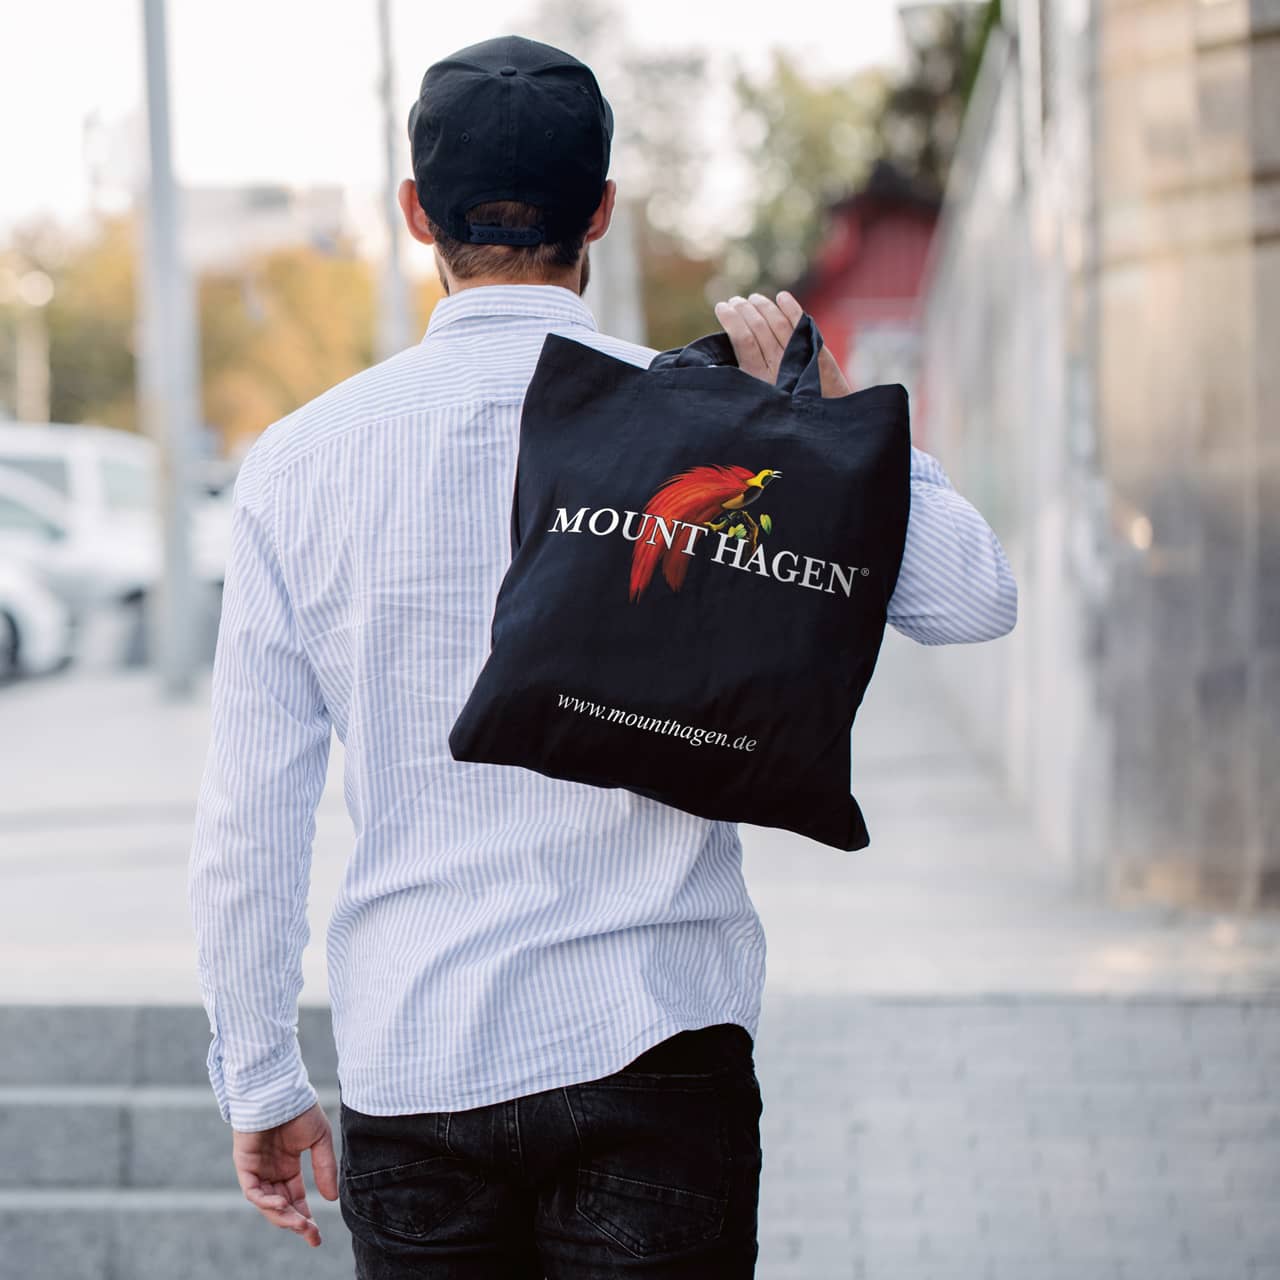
[760,329]
[269,1167]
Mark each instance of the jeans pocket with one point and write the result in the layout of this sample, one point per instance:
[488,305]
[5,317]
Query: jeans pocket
[396,1173]
[414,1199]
[654,1162]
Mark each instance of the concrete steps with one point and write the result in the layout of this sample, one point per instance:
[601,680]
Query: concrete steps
[133,1136]
[144,1234]
[114,1161]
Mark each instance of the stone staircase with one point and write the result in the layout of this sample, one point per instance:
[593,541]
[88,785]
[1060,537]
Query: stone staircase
[114,1161]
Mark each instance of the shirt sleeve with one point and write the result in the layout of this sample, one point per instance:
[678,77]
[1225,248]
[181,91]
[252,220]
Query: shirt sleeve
[954,585]
[250,862]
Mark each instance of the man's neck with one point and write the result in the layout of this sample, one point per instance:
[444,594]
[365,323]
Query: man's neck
[568,280]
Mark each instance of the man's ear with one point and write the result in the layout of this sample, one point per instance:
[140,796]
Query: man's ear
[411,207]
[603,215]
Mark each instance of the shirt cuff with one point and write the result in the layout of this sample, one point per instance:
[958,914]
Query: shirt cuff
[268,1095]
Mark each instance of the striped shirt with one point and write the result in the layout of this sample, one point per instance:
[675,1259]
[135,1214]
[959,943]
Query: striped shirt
[496,932]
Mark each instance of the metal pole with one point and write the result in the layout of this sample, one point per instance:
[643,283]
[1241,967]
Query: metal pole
[167,371]
[32,366]
[615,278]
[393,319]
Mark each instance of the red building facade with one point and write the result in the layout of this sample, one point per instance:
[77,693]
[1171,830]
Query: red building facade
[864,286]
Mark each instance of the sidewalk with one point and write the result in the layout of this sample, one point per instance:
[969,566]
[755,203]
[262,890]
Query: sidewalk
[967,1073]
[952,898]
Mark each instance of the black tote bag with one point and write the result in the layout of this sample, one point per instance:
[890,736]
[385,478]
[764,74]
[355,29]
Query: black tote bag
[701,564]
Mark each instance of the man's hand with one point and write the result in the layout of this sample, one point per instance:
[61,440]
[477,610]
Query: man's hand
[269,1167]
[759,330]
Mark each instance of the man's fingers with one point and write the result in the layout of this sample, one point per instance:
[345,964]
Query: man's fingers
[765,338]
[282,1205]
[790,308]
[324,1167]
[280,1213]
[834,383]
[750,358]
[779,325]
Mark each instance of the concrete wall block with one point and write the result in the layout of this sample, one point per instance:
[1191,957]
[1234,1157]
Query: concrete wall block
[173,1044]
[1223,352]
[227,1237]
[1267,583]
[1223,22]
[1227,567]
[186,1145]
[55,1143]
[1133,35]
[315,1036]
[53,1045]
[1223,140]
[1265,86]
[1265,296]
[1226,745]
[56,1245]
[1268,774]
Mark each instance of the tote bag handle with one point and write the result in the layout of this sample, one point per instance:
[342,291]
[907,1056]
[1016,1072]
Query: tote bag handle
[798,372]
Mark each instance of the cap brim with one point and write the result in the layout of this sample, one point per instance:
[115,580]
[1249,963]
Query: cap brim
[608,117]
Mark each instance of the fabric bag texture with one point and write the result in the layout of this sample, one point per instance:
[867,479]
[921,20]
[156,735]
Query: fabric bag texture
[701,567]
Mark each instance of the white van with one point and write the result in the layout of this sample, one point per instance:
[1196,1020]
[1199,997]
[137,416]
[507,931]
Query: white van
[109,481]
[84,563]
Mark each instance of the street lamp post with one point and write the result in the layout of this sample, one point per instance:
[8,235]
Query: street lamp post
[32,291]
[168,393]
[393,318]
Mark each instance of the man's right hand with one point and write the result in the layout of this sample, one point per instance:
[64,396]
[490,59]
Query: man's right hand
[269,1168]
[760,329]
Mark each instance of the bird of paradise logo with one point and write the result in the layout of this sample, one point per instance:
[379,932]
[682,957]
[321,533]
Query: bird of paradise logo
[712,498]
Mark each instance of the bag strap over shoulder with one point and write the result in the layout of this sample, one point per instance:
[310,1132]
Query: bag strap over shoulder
[797,374]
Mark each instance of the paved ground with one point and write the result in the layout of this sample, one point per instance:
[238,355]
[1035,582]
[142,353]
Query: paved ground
[967,1072]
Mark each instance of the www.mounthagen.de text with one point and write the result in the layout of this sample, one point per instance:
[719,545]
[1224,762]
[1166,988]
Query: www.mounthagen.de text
[671,728]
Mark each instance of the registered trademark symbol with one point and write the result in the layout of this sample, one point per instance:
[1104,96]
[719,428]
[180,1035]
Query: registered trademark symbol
[866,573]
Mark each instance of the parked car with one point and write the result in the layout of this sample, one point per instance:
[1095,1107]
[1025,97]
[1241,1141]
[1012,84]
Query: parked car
[108,481]
[85,564]
[36,630]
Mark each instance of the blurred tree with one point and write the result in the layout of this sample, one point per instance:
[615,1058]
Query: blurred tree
[810,143]
[920,123]
[274,333]
[659,154]
[90,319]
[278,332]
[658,146]
[987,22]
[806,143]
[674,288]
[283,329]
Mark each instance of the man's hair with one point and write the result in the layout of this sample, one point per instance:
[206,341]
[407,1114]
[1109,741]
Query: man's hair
[508,261]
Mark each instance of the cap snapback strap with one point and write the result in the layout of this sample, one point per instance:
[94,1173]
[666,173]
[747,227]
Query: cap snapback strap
[483,233]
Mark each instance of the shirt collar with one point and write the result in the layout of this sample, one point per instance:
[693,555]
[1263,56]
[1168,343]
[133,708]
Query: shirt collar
[541,301]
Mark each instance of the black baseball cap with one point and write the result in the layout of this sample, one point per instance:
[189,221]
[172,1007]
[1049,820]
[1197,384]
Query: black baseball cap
[510,119]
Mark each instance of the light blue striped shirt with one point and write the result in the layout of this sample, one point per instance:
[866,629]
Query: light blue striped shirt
[496,932]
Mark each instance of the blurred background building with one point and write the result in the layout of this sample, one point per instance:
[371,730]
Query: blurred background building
[1101,310]
[226,226]
[865,284]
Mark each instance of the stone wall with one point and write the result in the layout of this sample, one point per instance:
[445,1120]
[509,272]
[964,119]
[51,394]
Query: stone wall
[1184,241]
[1099,382]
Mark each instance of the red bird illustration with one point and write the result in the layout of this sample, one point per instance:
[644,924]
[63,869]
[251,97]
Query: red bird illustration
[709,496]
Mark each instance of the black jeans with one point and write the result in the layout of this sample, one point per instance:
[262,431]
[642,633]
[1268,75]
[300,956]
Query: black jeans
[653,1171]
